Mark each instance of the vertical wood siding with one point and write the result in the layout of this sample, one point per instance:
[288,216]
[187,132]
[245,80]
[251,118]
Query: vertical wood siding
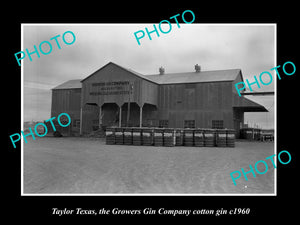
[202,102]
[143,91]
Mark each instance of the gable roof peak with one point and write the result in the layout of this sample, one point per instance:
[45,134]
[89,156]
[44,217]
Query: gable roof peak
[124,68]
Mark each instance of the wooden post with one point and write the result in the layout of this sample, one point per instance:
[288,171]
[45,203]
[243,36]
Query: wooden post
[141,115]
[80,130]
[128,106]
[100,117]
[120,116]
[128,112]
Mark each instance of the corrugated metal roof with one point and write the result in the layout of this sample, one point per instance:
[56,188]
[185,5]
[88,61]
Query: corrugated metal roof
[136,73]
[185,77]
[194,77]
[70,84]
[170,78]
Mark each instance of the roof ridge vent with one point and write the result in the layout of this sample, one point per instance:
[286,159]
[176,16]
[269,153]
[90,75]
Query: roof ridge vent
[161,70]
[197,68]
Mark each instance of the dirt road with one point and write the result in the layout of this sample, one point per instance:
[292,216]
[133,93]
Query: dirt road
[84,165]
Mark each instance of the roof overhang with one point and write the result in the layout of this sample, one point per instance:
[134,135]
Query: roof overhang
[70,84]
[246,105]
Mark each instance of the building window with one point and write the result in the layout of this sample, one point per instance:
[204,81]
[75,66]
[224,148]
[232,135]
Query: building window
[151,123]
[189,124]
[76,123]
[163,123]
[217,124]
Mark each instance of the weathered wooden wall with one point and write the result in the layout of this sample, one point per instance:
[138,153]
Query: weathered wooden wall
[202,102]
[67,101]
[143,91]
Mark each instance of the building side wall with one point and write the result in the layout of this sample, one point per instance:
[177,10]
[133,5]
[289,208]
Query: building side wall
[202,102]
[66,101]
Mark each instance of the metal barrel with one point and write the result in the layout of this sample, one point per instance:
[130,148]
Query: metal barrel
[221,138]
[247,133]
[136,136]
[242,133]
[169,137]
[250,133]
[158,137]
[209,137]
[188,138]
[199,137]
[119,135]
[127,136]
[179,137]
[110,135]
[147,136]
[230,138]
[257,134]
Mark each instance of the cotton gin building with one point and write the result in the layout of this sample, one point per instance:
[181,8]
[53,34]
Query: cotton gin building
[117,96]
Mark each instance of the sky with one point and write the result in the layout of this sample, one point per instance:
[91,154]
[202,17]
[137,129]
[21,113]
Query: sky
[249,47]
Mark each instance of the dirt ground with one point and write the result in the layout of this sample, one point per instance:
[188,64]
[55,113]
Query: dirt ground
[88,166]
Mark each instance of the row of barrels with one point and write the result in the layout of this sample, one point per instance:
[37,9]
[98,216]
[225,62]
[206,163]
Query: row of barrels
[251,133]
[170,137]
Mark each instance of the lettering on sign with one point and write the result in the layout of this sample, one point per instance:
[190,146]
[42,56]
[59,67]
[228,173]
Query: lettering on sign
[112,88]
